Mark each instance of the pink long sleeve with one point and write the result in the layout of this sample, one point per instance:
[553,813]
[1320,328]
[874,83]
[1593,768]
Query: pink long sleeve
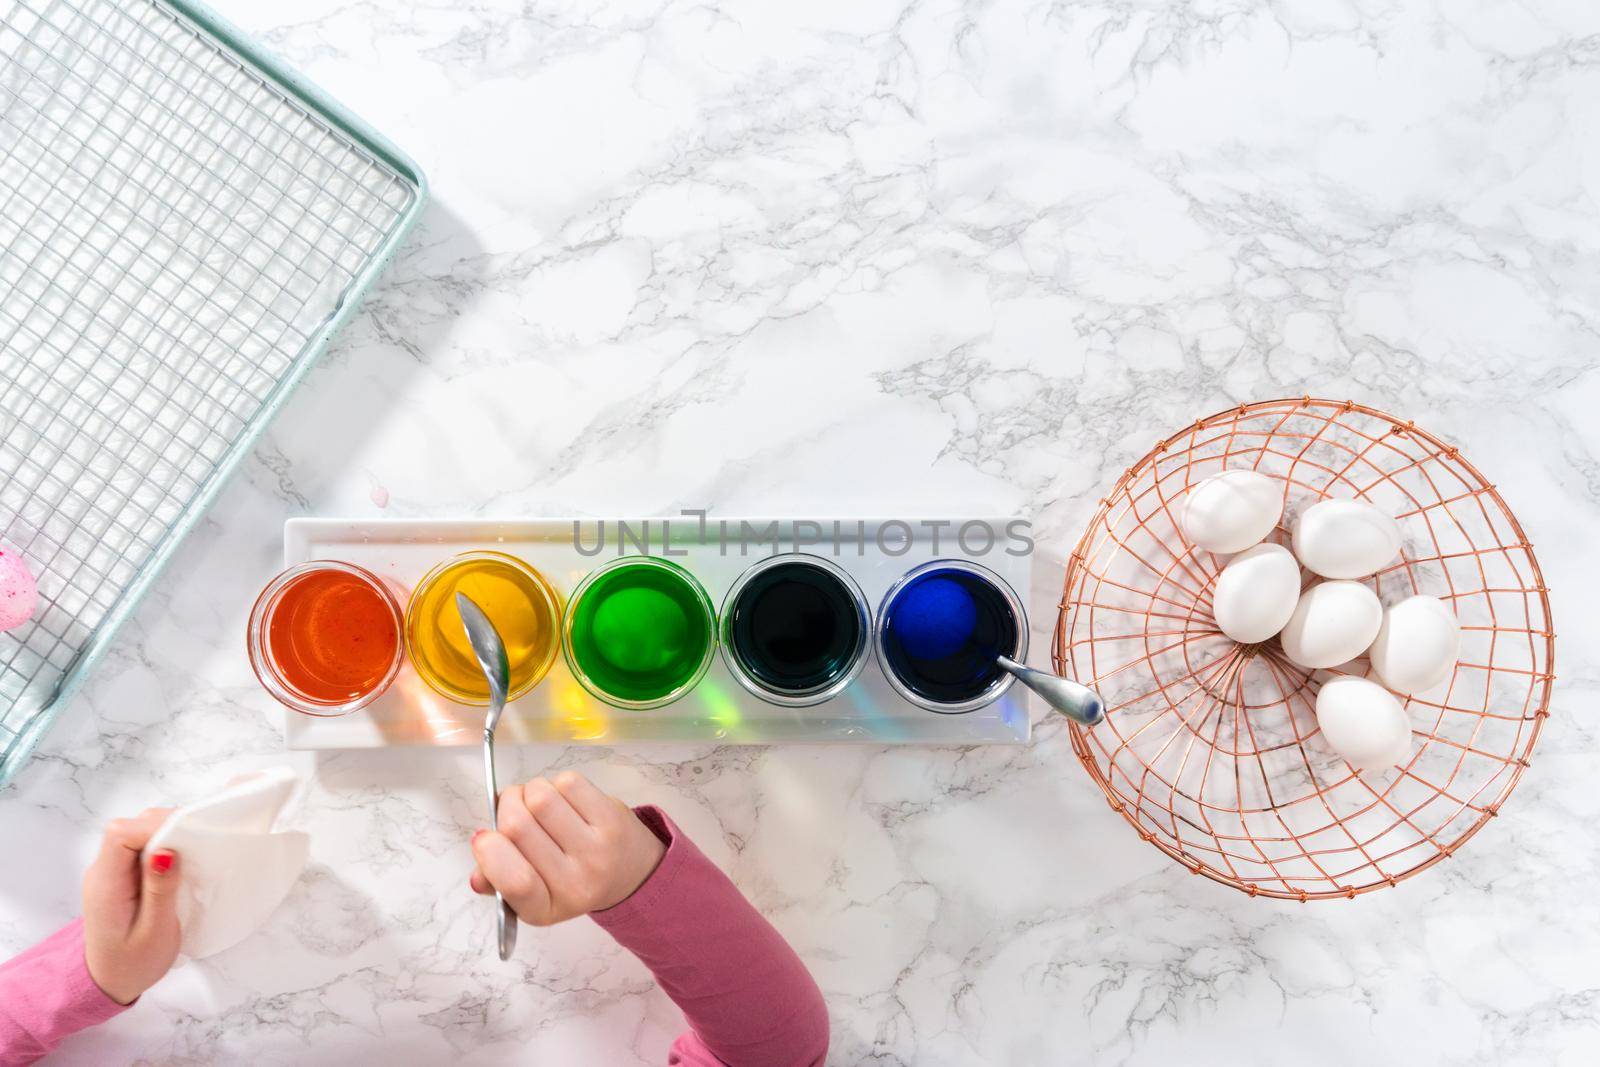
[46,994]
[747,997]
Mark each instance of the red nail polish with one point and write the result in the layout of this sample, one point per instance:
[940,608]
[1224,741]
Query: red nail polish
[477,834]
[161,862]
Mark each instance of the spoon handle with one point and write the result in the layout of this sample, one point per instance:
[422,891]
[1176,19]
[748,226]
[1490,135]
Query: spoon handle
[506,921]
[1076,701]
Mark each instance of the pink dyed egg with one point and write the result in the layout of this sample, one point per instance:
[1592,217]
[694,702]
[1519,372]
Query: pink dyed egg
[18,593]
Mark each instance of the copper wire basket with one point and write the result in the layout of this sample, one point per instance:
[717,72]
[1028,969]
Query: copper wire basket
[1210,749]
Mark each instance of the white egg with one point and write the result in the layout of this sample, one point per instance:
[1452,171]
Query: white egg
[1333,622]
[1417,644]
[1363,723]
[1256,593]
[1231,511]
[1345,539]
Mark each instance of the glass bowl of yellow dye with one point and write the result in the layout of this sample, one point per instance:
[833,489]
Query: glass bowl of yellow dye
[524,607]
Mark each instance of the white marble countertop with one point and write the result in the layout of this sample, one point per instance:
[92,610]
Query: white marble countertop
[893,257]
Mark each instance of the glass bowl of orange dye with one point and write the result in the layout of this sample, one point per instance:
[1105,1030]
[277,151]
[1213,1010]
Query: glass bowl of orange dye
[325,637]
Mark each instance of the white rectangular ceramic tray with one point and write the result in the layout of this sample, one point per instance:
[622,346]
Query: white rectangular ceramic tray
[718,710]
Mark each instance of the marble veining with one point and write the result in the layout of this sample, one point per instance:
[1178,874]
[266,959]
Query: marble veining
[872,257]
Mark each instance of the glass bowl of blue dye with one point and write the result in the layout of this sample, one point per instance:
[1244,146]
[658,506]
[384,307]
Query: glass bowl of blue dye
[795,629]
[940,628]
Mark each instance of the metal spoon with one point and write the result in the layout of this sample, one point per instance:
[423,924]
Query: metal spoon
[491,654]
[1077,702]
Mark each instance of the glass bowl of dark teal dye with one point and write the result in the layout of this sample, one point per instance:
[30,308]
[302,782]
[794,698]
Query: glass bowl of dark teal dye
[795,630]
[939,630]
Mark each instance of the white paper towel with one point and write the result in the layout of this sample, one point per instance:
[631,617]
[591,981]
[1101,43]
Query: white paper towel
[235,869]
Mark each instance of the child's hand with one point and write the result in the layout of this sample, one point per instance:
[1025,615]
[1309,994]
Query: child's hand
[130,920]
[564,849]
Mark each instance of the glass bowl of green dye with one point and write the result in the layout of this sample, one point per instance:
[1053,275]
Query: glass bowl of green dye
[639,632]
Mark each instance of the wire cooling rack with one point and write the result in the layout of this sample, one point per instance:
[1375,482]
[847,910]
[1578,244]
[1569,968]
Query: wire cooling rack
[183,226]
[1210,749]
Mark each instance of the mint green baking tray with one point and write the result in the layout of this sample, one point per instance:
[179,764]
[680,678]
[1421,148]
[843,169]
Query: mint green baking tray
[185,223]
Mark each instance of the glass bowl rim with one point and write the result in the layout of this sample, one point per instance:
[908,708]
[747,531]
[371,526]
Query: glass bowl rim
[258,650]
[858,657]
[995,689]
[552,600]
[678,571]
